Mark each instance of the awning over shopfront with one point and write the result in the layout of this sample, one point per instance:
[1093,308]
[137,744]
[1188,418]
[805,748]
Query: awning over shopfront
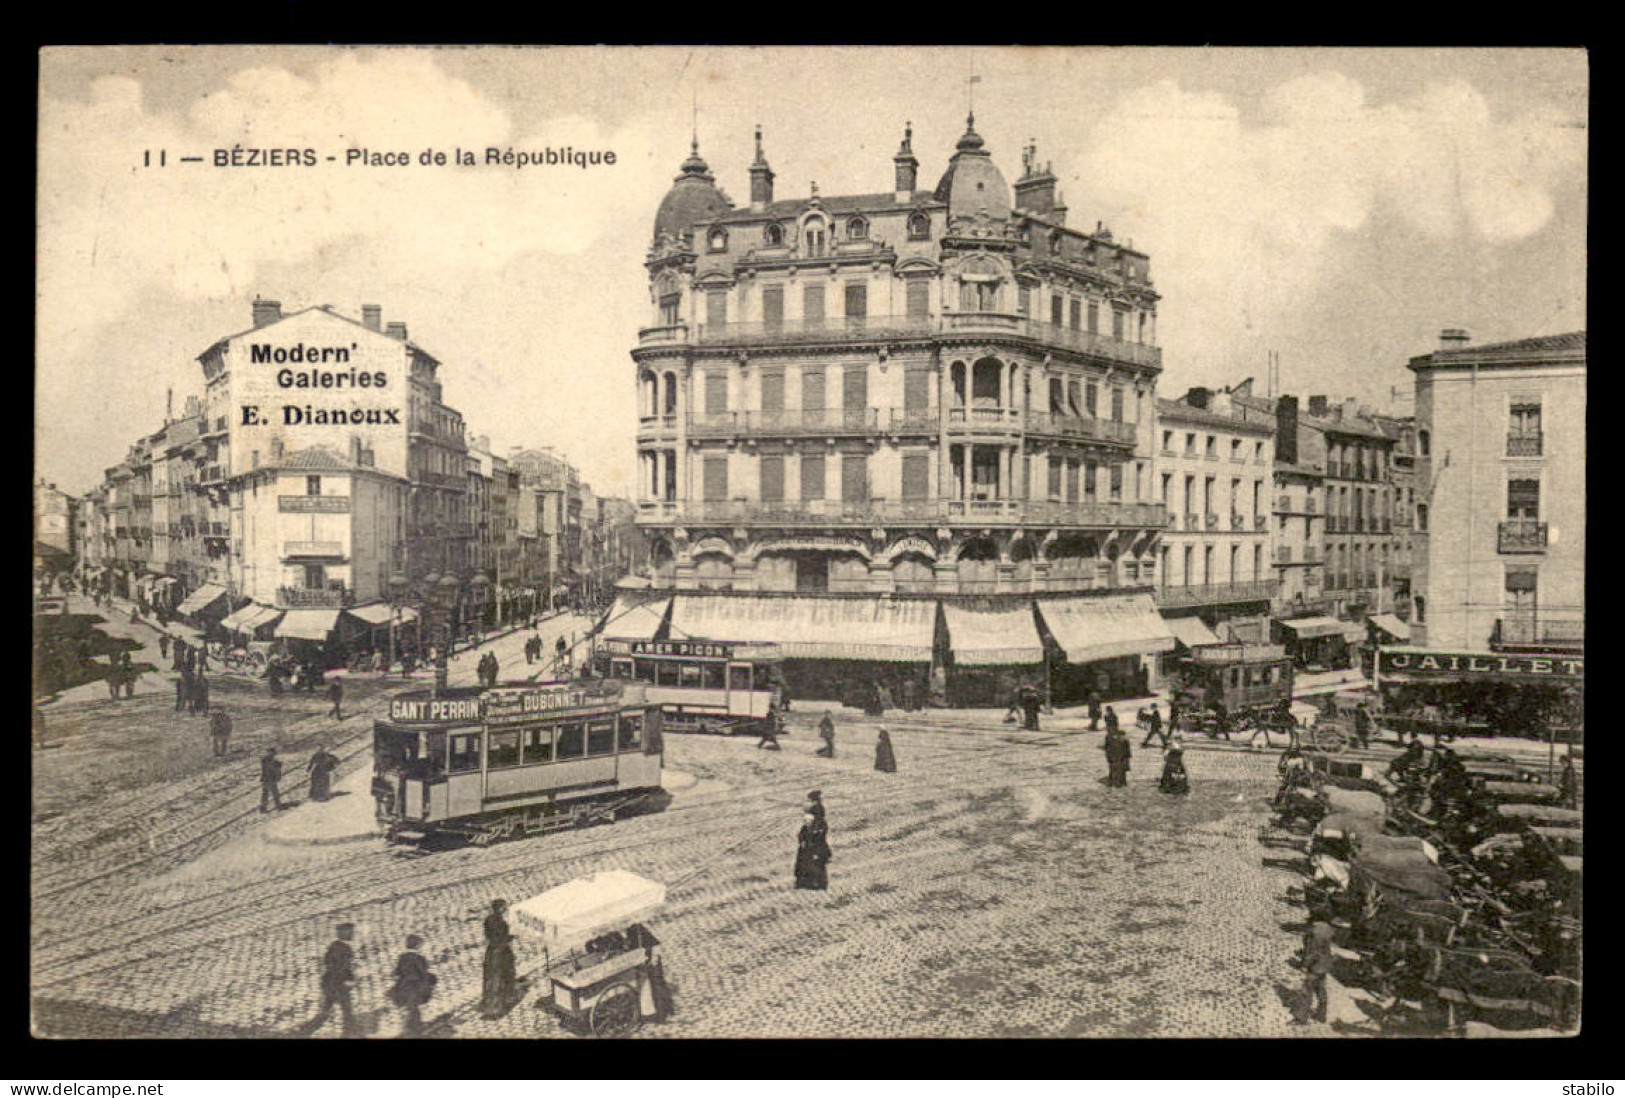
[635,619]
[1306,628]
[203,599]
[380,613]
[993,637]
[241,620]
[1392,626]
[812,628]
[184,632]
[308,624]
[1191,632]
[1106,628]
[1354,632]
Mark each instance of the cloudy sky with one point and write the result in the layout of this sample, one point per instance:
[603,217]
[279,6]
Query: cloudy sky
[1336,206]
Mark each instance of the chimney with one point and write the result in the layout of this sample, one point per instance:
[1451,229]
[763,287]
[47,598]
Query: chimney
[1286,430]
[373,317]
[276,448]
[355,450]
[1350,409]
[1199,397]
[1058,213]
[761,178]
[1453,339]
[396,329]
[907,167]
[266,312]
[1317,406]
[1035,190]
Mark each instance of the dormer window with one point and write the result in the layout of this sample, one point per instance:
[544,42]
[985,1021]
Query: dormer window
[814,240]
[773,235]
[717,241]
[857,229]
[919,227]
[1055,242]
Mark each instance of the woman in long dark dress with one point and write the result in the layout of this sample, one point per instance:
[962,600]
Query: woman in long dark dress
[812,854]
[1174,779]
[885,758]
[322,765]
[498,984]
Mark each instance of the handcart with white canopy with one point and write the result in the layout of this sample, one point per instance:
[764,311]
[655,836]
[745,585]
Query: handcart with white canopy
[601,971]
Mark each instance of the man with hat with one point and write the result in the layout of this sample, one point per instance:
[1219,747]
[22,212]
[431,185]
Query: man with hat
[338,977]
[220,731]
[815,806]
[270,775]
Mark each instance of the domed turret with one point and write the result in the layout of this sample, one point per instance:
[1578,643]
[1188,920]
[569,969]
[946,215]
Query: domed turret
[694,196]
[973,183]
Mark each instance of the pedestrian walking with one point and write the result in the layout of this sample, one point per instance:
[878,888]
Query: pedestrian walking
[784,694]
[114,673]
[183,691]
[1094,710]
[812,854]
[1317,963]
[496,667]
[771,729]
[130,676]
[1153,725]
[911,695]
[321,767]
[200,694]
[1174,780]
[1363,724]
[338,978]
[885,758]
[1118,755]
[1111,722]
[202,658]
[1030,701]
[815,803]
[1568,783]
[163,646]
[498,986]
[270,775]
[413,987]
[335,694]
[826,732]
[884,696]
[220,731]
[1174,707]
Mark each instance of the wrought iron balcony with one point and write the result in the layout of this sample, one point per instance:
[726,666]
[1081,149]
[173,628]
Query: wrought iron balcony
[1203,594]
[881,511]
[1525,443]
[667,333]
[1522,536]
[985,418]
[1083,427]
[1559,633]
[317,597]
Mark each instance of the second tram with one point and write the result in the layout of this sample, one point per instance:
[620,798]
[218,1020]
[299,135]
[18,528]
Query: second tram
[705,686]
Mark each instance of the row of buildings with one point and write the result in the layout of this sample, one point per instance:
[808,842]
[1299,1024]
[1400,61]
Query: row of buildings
[853,404]
[322,471]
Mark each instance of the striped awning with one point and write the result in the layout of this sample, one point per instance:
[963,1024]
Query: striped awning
[308,624]
[811,628]
[380,613]
[201,599]
[1090,629]
[1392,626]
[993,637]
[1191,632]
[241,619]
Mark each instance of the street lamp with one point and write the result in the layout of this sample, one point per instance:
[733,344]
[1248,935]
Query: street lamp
[397,592]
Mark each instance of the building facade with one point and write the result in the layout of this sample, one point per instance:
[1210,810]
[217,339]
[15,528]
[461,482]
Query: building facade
[1359,508]
[912,392]
[1500,513]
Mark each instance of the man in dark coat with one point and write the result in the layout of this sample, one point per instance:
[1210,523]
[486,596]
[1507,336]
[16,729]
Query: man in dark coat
[495,667]
[114,674]
[1112,726]
[1153,724]
[1568,784]
[321,767]
[498,987]
[812,854]
[413,987]
[338,977]
[1174,707]
[1094,710]
[220,731]
[826,732]
[163,646]
[270,775]
[1029,699]
[815,804]
[1118,752]
[885,757]
[183,690]
[1362,724]
[771,729]
[911,695]
[335,694]
[200,693]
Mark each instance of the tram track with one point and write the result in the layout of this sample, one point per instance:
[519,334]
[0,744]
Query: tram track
[520,858]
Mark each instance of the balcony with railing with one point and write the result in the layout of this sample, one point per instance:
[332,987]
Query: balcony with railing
[1287,505]
[883,511]
[1524,444]
[1561,633]
[315,597]
[665,333]
[1081,427]
[666,424]
[1204,594]
[1522,536]
[984,419]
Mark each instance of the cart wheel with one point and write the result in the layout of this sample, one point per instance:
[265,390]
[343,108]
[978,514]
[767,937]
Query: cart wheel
[616,1012]
[1330,739]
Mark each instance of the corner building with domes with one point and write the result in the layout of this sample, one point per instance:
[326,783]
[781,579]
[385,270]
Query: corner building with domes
[906,434]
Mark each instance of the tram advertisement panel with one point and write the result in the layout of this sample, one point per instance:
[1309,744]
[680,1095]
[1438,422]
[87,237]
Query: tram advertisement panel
[1402,663]
[703,649]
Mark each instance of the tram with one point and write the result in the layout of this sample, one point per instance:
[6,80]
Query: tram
[1233,687]
[494,763]
[704,686]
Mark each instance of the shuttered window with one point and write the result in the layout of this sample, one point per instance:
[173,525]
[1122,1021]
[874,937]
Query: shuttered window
[1072,481]
[1094,317]
[772,478]
[716,307]
[716,394]
[1055,478]
[812,395]
[1523,499]
[1090,484]
[773,391]
[812,476]
[1117,482]
[1055,310]
[919,297]
[773,306]
[916,476]
[716,479]
[854,478]
[1091,399]
[1117,406]
[1076,312]
[812,304]
[1117,323]
[857,300]
[916,390]
[855,388]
